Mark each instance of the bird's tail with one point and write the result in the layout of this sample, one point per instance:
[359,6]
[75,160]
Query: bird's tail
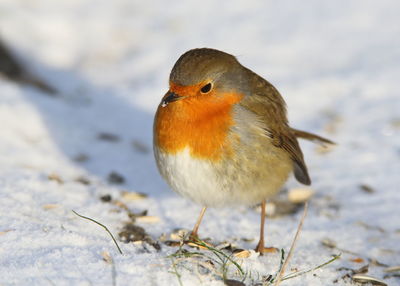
[311,137]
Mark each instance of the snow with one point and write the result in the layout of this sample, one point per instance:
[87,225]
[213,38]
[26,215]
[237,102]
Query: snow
[336,64]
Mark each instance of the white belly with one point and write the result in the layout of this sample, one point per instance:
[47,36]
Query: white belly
[217,184]
[192,178]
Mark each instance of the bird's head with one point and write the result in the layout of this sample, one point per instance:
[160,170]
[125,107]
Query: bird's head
[205,78]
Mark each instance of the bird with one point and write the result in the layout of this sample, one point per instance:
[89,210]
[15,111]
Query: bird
[221,136]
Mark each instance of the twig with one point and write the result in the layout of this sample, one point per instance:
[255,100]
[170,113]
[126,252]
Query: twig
[103,226]
[292,275]
[280,275]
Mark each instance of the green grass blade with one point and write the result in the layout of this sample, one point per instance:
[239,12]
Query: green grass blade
[103,226]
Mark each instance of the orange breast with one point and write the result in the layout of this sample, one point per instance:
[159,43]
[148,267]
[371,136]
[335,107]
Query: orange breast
[199,122]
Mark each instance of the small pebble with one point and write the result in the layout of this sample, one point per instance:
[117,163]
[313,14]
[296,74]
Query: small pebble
[83,180]
[115,178]
[81,158]
[367,189]
[140,147]
[328,243]
[106,198]
[105,136]
[55,177]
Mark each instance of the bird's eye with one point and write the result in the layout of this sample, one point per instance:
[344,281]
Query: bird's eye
[206,88]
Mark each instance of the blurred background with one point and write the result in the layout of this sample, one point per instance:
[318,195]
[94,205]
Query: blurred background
[80,81]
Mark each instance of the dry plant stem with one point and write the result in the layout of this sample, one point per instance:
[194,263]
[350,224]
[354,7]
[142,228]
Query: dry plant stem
[260,245]
[103,226]
[292,275]
[194,234]
[280,275]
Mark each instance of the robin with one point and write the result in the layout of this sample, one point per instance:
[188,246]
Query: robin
[221,135]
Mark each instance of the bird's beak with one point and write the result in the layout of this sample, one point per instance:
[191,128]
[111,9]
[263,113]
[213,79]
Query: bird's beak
[170,97]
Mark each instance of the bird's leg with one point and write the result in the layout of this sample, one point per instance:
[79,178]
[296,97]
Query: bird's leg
[260,246]
[193,235]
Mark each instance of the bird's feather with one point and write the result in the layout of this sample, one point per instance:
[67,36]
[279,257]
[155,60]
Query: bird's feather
[311,137]
[265,101]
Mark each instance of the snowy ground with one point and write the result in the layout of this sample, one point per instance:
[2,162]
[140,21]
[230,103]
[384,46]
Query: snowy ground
[336,64]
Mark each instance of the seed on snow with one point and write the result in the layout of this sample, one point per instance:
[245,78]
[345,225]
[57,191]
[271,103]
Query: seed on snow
[362,278]
[300,195]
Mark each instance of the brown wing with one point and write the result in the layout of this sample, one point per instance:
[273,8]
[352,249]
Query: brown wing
[264,100]
[288,142]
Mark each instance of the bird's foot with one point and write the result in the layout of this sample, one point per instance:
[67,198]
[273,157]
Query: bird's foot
[260,248]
